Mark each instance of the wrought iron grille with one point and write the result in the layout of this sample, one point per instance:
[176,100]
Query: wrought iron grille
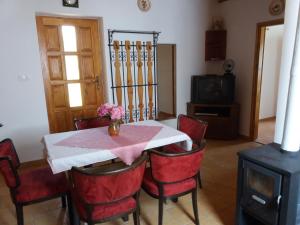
[133,67]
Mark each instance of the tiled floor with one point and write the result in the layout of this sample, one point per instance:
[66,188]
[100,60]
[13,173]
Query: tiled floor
[216,201]
[266,131]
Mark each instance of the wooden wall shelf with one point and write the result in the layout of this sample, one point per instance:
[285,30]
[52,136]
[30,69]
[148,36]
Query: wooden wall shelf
[215,45]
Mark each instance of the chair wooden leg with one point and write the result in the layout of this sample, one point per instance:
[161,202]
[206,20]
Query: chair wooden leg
[125,218]
[63,202]
[136,216]
[199,180]
[160,210]
[195,206]
[20,215]
[136,213]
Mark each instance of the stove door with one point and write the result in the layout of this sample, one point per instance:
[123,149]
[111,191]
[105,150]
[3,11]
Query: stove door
[261,193]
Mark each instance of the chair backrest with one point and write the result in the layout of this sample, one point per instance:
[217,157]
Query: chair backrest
[105,185]
[176,167]
[193,127]
[81,124]
[9,163]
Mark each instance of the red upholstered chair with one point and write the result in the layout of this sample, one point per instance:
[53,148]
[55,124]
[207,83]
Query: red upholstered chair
[173,175]
[108,192]
[81,124]
[31,186]
[191,126]
[195,129]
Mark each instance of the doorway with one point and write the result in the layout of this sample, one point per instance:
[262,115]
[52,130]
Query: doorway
[265,82]
[166,79]
[71,58]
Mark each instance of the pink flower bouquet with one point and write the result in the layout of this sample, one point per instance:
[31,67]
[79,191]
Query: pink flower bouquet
[114,112]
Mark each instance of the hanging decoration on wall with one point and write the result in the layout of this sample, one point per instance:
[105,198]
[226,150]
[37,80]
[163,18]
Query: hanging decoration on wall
[134,74]
[276,7]
[144,5]
[71,3]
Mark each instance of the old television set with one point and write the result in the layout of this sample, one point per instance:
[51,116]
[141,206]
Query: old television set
[212,89]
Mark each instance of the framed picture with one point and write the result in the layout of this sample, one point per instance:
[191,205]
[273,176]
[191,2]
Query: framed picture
[71,3]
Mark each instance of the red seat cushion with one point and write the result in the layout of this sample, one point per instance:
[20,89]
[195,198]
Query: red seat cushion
[173,148]
[169,189]
[40,183]
[7,149]
[92,123]
[101,212]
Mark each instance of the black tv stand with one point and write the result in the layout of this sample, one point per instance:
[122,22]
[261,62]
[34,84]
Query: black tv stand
[223,119]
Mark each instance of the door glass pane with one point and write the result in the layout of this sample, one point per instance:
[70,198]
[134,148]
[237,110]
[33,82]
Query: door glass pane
[75,98]
[72,68]
[69,38]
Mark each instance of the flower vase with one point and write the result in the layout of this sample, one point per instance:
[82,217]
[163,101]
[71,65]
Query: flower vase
[114,128]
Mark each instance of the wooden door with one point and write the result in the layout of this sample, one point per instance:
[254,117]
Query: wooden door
[72,69]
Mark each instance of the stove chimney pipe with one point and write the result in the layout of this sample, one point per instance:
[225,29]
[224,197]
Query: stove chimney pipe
[291,132]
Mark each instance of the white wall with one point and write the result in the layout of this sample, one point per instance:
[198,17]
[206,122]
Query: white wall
[240,19]
[290,23]
[23,107]
[271,71]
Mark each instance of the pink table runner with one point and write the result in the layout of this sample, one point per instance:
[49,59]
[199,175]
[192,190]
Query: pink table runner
[128,146]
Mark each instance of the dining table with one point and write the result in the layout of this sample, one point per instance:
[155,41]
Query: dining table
[85,147]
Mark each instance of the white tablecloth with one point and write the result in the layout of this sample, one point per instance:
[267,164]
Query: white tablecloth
[62,158]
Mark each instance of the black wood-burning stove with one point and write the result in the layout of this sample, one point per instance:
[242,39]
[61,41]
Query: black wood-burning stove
[268,187]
